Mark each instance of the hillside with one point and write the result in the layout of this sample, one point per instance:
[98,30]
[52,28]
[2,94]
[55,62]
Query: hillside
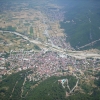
[17,87]
[81,23]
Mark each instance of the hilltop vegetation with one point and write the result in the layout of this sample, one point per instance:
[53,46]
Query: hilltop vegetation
[49,89]
[81,23]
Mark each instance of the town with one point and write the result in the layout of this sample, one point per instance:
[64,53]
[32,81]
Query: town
[43,50]
[46,63]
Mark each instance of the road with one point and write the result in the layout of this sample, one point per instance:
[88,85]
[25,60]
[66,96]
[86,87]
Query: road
[89,44]
[55,48]
[76,54]
[75,86]
[68,85]
[13,89]
[22,90]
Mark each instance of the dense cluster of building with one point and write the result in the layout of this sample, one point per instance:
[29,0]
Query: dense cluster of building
[45,63]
